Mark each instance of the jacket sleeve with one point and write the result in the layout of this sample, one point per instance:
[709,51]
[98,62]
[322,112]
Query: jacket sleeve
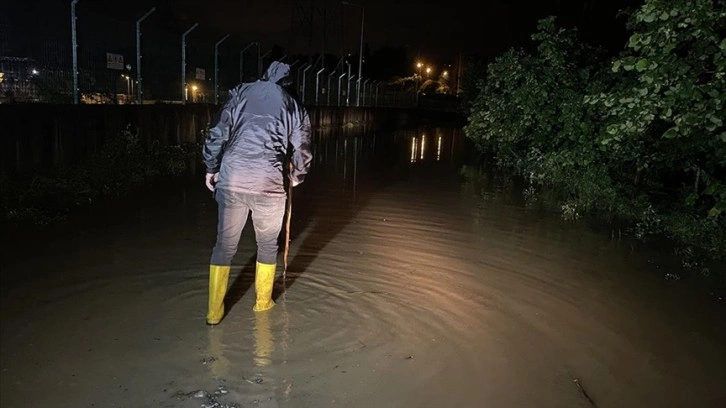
[300,140]
[217,139]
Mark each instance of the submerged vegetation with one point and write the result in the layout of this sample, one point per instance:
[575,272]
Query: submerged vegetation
[119,167]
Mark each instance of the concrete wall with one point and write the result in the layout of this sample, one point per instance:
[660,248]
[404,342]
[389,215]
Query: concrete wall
[40,136]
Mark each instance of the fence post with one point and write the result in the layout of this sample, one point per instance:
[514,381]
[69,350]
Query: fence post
[241,61]
[340,78]
[365,94]
[347,96]
[330,75]
[304,74]
[377,85]
[216,68]
[260,59]
[347,93]
[317,85]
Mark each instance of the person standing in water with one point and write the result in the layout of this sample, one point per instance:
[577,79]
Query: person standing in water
[245,154]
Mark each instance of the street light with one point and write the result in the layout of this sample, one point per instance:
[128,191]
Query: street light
[184,61]
[360,52]
[128,84]
[194,93]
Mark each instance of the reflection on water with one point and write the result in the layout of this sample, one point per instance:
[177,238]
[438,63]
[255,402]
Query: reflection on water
[419,140]
[405,288]
[264,340]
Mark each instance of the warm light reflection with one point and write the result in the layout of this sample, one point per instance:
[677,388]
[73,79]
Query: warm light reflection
[264,341]
[413,149]
[423,145]
[438,149]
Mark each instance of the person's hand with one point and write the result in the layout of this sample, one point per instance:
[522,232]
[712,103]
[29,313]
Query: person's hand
[210,180]
[293,181]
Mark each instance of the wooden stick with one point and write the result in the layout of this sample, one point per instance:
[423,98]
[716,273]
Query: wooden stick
[287,226]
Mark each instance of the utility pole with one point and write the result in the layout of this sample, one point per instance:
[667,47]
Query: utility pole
[139,78]
[360,51]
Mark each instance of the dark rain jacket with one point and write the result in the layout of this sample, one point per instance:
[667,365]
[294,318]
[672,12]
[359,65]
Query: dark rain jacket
[249,141]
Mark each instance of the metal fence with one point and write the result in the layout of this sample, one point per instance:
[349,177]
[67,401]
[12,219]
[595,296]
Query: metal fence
[149,59]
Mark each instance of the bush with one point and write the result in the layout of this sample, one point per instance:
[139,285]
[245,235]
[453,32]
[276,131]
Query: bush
[639,138]
[121,165]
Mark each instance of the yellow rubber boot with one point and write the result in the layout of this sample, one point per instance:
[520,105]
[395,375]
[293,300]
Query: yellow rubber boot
[264,280]
[218,277]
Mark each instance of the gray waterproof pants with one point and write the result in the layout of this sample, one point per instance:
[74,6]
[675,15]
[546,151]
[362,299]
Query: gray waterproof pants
[233,210]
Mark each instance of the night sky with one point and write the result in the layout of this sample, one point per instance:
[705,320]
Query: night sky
[438,31]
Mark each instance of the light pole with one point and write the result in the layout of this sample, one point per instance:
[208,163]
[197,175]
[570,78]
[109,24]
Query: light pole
[128,84]
[417,77]
[184,63]
[304,76]
[140,84]
[360,51]
[347,99]
[74,44]
[216,68]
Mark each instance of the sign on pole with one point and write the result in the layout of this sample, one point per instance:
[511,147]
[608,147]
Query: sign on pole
[114,61]
[201,74]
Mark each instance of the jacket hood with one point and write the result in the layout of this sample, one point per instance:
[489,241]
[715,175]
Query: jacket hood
[276,72]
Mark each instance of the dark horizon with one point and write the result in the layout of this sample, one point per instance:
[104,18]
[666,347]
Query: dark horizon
[438,33]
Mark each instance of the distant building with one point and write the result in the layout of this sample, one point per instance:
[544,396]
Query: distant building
[18,80]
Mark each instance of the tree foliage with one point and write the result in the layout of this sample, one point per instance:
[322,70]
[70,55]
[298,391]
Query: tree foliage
[640,137]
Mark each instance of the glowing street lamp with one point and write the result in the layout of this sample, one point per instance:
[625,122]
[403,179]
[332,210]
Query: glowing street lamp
[428,71]
[128,84]
[194,93]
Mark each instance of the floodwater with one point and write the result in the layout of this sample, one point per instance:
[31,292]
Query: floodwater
[407,287]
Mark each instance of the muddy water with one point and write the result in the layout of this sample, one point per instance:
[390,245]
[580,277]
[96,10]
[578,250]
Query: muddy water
[406,288]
